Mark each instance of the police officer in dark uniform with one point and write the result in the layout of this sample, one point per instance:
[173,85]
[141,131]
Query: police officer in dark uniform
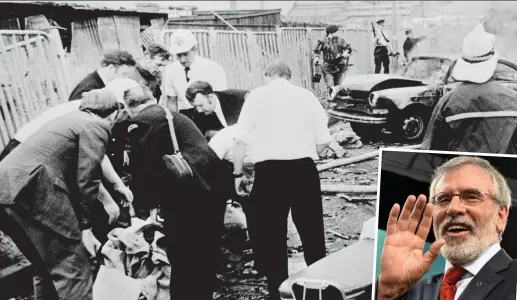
[336,52]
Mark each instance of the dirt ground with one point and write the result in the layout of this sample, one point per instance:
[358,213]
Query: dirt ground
[344,215]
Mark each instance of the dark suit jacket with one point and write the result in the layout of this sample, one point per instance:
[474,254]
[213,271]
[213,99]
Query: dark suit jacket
[231,104]
[151,81]
[497,280]
[150,139]
[92,81]
[55,175]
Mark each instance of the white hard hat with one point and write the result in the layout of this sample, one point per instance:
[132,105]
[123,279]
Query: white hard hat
[182,41]
[119,86]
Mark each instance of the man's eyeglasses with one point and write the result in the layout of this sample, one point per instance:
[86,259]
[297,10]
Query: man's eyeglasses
[469,197]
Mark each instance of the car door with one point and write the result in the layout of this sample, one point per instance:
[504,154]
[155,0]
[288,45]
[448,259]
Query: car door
[449,83]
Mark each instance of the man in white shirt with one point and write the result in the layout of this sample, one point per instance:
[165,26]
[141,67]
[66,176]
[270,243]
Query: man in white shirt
[223,144]
[285,128]
[382,49]
[186,69]
[469,206]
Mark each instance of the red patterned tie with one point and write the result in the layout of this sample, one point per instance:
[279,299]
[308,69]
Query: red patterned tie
[448,287]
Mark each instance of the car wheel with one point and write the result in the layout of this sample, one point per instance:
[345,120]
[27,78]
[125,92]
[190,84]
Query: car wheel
[367,132]
[414,124]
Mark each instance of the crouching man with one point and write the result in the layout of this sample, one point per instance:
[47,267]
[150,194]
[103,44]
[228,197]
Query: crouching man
[48,186]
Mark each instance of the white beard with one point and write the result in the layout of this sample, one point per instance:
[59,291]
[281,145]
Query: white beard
[459,251]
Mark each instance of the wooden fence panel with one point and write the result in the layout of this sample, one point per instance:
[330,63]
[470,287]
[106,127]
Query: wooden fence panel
[295,51]
[293,45]
[268,51]
[34,79]
[235,57]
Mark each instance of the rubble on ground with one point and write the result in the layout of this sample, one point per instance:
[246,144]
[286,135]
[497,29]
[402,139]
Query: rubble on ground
[343,137]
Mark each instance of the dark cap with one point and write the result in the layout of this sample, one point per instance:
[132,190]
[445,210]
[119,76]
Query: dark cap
[380,22]
[332,29]
[408,31]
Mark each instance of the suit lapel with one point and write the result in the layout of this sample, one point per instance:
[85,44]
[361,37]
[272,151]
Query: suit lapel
[431,290]
[487,278]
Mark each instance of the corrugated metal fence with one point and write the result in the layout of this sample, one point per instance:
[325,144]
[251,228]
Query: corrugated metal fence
[244,55]
[32,78]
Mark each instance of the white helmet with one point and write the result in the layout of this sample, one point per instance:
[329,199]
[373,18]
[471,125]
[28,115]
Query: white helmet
[182,41]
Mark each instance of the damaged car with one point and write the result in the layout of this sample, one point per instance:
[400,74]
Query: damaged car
[403,103]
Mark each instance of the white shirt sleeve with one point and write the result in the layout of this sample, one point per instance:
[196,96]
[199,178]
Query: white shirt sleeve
[322,131]
[218,78]
[246,121]
[168,81]
[220,143]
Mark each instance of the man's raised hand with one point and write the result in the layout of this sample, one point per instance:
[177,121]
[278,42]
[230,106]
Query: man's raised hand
[403,262]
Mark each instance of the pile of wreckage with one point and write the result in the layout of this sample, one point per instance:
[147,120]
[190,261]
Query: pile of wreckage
[343,138]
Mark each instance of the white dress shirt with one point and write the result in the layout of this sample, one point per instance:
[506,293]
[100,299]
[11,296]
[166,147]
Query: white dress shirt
[282,121]
[380,40]
[223,143]
[473,268]
[202,69]
[219,113]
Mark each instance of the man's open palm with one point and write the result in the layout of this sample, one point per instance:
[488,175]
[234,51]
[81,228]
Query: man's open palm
[403,261]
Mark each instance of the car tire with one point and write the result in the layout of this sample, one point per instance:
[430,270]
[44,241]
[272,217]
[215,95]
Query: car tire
[367,132]
[413,124]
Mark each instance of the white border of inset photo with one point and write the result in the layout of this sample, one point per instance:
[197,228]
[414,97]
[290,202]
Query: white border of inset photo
[379,172]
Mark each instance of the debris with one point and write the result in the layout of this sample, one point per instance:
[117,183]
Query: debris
[339,235]
[344,196]
[341,188]
[337,149]
[349,160]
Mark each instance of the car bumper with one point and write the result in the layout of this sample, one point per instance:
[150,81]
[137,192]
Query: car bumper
[357,117]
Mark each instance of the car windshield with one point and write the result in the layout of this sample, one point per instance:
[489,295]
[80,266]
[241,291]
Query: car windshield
[427,68]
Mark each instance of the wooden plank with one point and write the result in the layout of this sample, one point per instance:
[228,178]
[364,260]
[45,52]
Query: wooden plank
[108,34]
[128,31]
[40,22]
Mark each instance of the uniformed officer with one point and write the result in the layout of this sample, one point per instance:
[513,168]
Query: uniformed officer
[382,49]
[336,52]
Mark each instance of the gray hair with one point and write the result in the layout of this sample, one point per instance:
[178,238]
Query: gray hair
[138,95]
[280,69]
[501,194]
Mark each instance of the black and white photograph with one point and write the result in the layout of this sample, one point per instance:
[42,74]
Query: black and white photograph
[155,150]
[434,245]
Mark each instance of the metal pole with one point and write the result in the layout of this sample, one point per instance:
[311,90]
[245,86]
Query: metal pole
[394,35]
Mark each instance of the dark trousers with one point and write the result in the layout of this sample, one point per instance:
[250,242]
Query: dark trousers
[62,268]
[333,79]
[281,186]
[194,222]
[384,60]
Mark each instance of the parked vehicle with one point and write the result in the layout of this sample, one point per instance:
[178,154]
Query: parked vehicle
[403,103]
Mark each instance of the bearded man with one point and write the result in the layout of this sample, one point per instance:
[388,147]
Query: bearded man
[469,207]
